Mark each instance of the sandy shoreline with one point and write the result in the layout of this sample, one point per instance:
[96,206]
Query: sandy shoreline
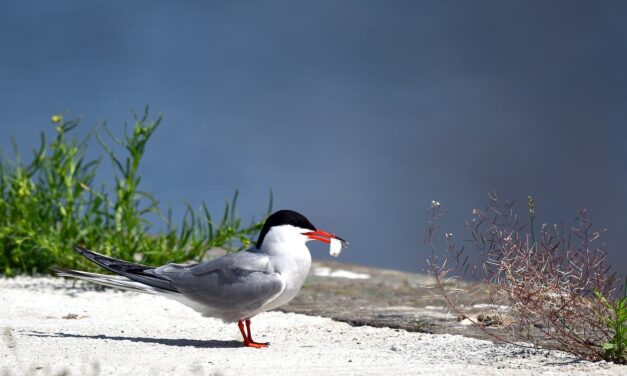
[49,328]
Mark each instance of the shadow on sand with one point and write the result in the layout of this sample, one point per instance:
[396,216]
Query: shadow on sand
[162,341]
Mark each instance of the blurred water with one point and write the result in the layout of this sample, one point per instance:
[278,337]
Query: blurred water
[356,113]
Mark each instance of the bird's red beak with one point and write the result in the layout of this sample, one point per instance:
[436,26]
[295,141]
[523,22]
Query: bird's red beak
[323,236]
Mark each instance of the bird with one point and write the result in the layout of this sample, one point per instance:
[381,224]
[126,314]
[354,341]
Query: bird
[234,287]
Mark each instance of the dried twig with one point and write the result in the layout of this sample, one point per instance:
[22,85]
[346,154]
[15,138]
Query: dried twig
[545,279]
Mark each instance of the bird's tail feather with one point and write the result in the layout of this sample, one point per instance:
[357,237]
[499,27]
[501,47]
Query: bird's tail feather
[115,281]
[135,272]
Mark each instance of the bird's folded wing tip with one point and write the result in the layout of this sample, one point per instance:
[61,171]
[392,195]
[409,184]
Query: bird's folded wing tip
[79,249]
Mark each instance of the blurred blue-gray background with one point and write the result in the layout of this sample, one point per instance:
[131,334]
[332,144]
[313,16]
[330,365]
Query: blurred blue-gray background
[356,113]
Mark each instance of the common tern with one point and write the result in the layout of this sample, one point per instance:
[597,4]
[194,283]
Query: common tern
[234,287]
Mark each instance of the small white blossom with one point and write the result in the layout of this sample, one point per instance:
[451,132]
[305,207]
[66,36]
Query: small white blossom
[448,235]
[435,204]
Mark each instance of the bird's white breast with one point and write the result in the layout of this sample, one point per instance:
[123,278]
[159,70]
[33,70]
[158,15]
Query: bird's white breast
[290,257]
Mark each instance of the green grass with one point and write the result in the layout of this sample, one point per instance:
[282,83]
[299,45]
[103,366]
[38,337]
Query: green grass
[616,321]
[50,203]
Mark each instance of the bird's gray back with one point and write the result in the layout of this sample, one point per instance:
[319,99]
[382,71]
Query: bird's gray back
[234,285]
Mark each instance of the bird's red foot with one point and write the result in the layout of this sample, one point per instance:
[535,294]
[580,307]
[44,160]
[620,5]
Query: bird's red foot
[248,338]
[256,345]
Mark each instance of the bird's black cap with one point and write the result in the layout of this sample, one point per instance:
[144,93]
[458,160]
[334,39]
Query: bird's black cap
[284,217]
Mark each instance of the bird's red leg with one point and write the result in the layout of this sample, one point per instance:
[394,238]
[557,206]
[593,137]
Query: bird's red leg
[250,338]
[240,325]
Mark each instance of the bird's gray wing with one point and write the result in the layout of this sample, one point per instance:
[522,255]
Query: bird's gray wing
[243,281]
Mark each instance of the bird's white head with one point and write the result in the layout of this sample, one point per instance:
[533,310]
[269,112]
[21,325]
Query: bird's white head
[288,227]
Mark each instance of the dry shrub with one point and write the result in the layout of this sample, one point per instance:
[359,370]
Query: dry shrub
[546,284]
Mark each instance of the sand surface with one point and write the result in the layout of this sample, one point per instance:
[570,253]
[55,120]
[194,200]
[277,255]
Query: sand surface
[48,327]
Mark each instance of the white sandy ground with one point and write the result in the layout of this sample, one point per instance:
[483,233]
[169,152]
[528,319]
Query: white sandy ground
[128,333]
